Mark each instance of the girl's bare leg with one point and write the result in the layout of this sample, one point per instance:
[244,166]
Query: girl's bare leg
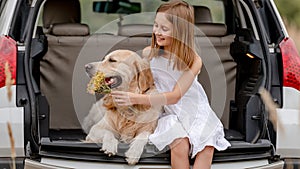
[204,158]
[180,153]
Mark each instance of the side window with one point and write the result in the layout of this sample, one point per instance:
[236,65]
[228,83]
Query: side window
[271,25]
[2,15]
[2,3]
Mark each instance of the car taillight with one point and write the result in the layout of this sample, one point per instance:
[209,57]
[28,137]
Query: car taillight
[8,53]
[291,63]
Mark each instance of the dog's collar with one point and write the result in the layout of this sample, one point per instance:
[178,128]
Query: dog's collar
[146,90]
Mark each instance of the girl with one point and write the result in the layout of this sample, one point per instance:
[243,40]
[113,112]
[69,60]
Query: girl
[188,125]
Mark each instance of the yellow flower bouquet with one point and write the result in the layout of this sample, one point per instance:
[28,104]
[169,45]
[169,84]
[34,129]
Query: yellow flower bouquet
[98,85]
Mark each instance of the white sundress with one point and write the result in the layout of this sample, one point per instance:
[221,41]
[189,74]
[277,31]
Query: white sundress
[190,117]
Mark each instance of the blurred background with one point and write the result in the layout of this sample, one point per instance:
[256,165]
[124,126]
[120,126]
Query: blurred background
[290,12]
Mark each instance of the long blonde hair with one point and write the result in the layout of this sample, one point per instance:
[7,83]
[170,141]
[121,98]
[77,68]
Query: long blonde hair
[181,15]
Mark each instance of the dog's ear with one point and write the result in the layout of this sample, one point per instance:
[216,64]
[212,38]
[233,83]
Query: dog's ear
[144,76]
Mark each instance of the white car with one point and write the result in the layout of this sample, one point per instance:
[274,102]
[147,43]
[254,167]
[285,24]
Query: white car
[244,47]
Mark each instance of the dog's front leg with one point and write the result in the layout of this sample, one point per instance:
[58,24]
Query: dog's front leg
[110,143]
[136,148]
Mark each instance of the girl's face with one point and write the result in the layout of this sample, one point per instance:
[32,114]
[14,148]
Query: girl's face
[162,30]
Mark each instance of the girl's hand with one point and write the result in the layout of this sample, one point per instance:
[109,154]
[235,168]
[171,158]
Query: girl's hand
[124,98]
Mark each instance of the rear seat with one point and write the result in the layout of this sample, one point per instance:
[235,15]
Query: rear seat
[138,36]
[214,44]
[66,36]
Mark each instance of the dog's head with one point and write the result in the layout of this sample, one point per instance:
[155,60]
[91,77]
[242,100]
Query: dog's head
[127,69]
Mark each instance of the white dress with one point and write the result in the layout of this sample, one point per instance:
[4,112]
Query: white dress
[191,117]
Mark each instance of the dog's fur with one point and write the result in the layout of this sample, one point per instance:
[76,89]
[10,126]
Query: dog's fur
[108,123]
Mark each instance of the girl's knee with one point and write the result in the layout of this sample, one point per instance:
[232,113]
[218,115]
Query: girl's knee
[208,151]
[180,146]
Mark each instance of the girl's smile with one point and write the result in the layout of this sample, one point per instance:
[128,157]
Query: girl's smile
[163,30]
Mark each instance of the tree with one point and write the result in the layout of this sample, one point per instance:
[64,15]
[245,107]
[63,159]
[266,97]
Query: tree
[289,10]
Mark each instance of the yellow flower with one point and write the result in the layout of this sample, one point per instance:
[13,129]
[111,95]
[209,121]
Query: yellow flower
[97,84]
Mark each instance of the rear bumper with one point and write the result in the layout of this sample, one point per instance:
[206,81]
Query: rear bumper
[6,162]
[275,165]
[52,163]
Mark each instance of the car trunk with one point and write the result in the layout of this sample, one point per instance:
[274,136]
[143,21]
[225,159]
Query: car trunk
[230,79]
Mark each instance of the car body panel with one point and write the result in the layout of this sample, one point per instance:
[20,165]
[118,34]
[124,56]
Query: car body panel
[14,115]
[60,163]
[288,125]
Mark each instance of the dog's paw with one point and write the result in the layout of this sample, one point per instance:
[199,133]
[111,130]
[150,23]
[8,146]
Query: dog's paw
[133,155]
[136,149]
[110,147]
[131,160]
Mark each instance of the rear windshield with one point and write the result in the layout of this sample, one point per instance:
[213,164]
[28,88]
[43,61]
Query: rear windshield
[100,21]
[108,23]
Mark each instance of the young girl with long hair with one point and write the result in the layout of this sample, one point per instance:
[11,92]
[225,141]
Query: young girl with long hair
[188,125]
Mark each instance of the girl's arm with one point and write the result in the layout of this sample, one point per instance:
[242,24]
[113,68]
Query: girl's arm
[172,97]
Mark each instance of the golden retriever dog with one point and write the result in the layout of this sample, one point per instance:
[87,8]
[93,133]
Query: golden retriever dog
[108,123]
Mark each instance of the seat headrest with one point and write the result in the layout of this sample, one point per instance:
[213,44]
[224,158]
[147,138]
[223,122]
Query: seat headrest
[61,11]
[70,29]
[211,29]
[202,14]
[136,30]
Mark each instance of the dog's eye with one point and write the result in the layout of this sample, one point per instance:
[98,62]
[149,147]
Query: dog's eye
[112,60]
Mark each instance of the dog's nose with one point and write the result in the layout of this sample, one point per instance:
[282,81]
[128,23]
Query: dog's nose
[88,67]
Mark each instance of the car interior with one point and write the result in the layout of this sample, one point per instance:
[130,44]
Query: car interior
[229,81]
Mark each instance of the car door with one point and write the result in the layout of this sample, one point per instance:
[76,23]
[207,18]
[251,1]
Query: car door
[250,51]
